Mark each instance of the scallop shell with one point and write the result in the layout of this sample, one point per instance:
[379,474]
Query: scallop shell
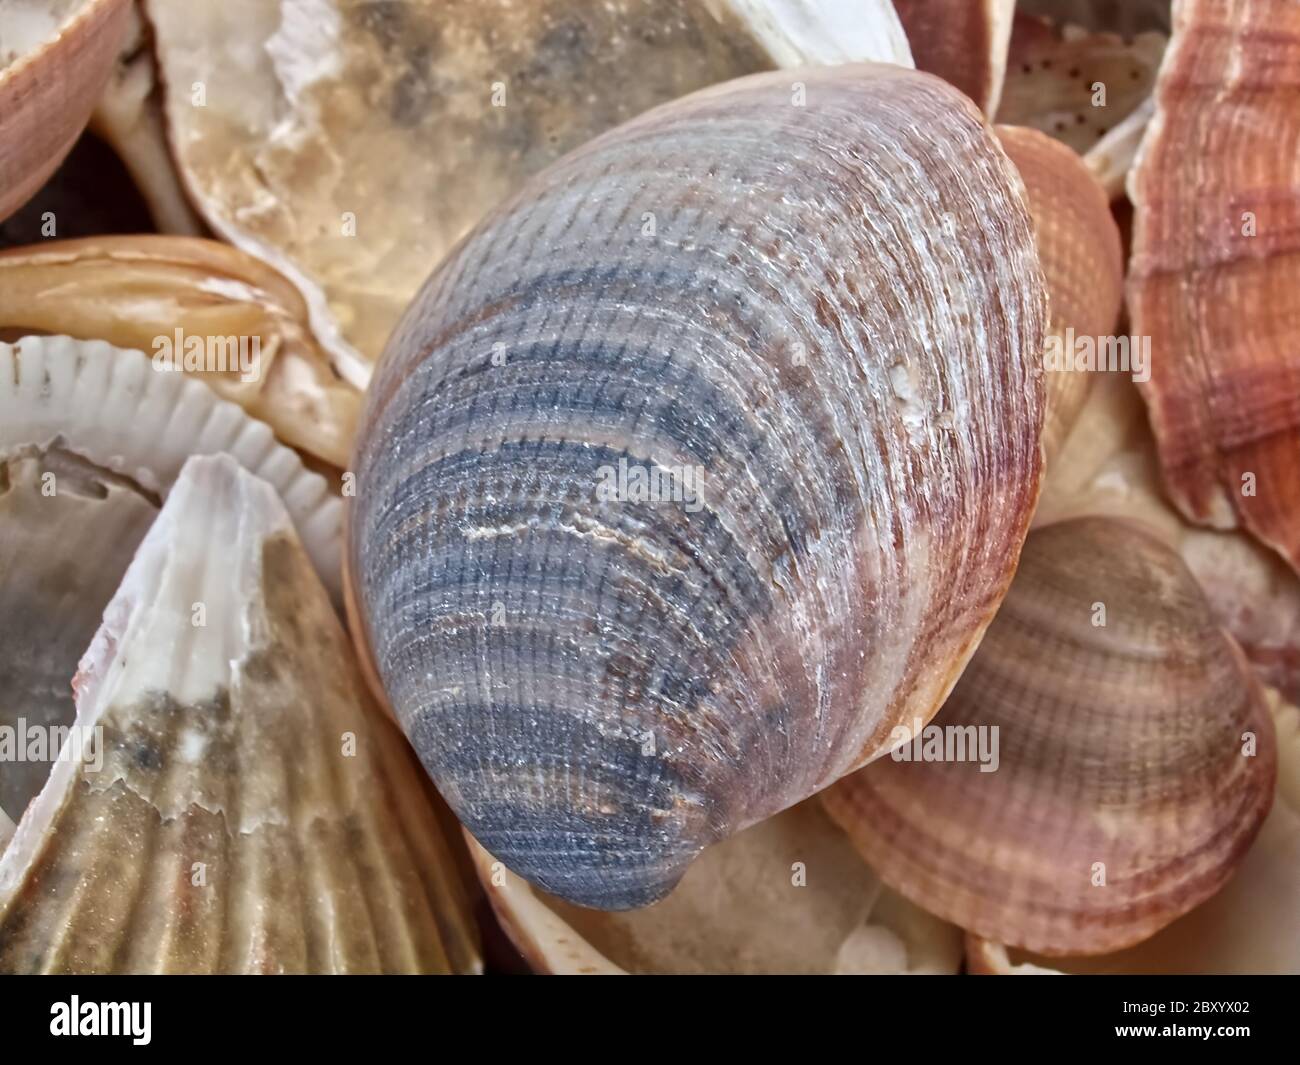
[795,306]
[1134,762]
[788,896]
[113,408]
[1216,267]
[245,808]
[1083,263]
[352,145]
[135,292]
[1252,926]
[964,42]
[1052,84]
[55,56]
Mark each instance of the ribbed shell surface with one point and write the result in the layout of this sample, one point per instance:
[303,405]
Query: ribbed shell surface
[814,295]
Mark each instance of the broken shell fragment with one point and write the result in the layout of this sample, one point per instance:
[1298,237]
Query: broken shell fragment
[114,409]
[200,306]
[352,145]
[1131,757]
[789,895]
[964,42]
[236,803]
[1083,265]
[55,56]
[602,676]
[1215,269]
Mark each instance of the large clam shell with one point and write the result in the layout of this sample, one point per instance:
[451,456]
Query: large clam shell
[55,56]
[351,145]
[1215,270]
[245,808]
[797,301]
[1132,757]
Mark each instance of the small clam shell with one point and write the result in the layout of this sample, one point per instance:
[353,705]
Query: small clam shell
[55,56]
[352,145]
[236,803]
[796,303]
[138,292]
[1083,265]
[115,409]
[789,895]
[1134,762]
[1215,269]
[964,42]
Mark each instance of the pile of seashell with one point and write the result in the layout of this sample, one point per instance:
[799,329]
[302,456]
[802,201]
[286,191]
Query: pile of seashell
[829,500]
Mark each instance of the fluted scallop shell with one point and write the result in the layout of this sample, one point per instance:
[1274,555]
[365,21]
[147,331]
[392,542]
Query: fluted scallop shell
[1083,264]
[249,809]
[351,145]
[795,299]
[135,291]
[115,408]
[789,895]
[55,56]
[1134,763]
[1215,273]
[1252,926]
[964,42]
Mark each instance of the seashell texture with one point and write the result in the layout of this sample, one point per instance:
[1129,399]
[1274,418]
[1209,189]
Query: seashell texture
[352,145]
[1128,18]
[1252,926]
[798,321]
[964,42]
[243,328]
[1090,90]
[1135,757]
[1216,267]
[55,56]
[789,895]
[1083,264]
[246,808]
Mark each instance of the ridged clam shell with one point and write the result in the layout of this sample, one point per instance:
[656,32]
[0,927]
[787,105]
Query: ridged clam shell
[787,896]
[1083,262]
[963,41]
[352,145]
[1215,269]
[1252,926]
[55,56]
[133,291]
[1125,790]
[115,409]
[809,306]
[250,810]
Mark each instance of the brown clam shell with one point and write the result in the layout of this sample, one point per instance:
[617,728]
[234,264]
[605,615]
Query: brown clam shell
[1133,760]
[963,41]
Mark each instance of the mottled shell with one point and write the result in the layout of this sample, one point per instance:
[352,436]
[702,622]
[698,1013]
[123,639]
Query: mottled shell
[1215,273]
[1082,260]
[55,56]
[352,145]
[788,896]
[963,41]
[245,808]
[1135,757]
[824,310]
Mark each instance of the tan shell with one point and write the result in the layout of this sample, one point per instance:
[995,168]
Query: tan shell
[136,292]
[1056,75]
[1215,272]
[789,895]
[1134,763]
[1251,926]
[963,41]
[352,145]
[55,56]
[245,808]
[1079,250]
